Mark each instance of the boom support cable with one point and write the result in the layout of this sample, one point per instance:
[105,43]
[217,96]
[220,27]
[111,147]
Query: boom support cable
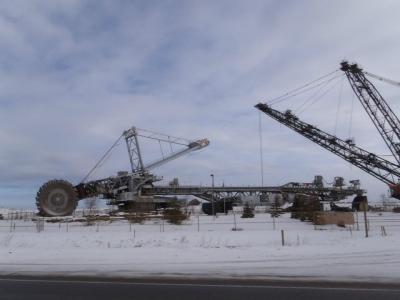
[294,91]
[319,97]
[338,106]
[103,158]
[387,80]
[351,116]
[315,97]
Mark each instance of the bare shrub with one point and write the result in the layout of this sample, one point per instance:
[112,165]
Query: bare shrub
[174,215]
[136,217]
[341,224]
[248,212]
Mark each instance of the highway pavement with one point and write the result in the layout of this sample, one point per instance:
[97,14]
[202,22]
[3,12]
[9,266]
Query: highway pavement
[88,289]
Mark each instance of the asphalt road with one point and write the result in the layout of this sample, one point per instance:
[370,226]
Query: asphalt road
[43,289]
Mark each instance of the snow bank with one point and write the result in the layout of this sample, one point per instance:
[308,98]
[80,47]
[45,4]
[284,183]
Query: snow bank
[215,250]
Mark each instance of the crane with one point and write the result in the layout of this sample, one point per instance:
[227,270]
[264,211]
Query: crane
[382,116]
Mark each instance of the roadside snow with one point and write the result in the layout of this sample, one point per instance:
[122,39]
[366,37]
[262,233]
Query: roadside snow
[329,252]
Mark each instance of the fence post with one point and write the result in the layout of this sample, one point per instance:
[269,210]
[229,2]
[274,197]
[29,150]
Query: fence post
[383,231]
[364,207]
[273,223]
[234,220]
[40,225]
[358,225]
[283,237]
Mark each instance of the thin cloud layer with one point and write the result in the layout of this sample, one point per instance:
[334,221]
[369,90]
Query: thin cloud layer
[75,74]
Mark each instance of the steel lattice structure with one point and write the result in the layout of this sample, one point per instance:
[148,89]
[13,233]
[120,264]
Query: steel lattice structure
[59,197]
[381,115]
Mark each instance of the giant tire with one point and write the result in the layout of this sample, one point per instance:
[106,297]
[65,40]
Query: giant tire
[56,198]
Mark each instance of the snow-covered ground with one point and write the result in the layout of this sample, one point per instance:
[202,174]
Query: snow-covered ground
[205,247]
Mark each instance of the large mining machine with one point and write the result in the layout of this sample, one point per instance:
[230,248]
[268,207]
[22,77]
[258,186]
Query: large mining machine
[136,188]
[378,110]
[60,197]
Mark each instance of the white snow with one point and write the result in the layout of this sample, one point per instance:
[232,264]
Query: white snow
[323,252]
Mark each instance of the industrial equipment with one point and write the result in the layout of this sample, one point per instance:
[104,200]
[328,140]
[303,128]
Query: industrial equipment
[60,198]
[382,117]
[136,189]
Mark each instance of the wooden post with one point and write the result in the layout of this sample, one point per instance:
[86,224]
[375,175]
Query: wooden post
[273,223]
[358,225]
[364,207]
[383,231]
[283,237]
[234,220]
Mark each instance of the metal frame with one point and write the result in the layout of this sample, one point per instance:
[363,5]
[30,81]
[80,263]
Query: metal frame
[135,156]
[383,117]
[378,167]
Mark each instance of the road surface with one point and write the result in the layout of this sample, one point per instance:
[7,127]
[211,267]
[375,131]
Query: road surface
[88,289]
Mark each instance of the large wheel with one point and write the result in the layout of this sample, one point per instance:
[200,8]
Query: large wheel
[56,198]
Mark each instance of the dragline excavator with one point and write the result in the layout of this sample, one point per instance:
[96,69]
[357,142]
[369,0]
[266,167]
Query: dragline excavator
[382,116]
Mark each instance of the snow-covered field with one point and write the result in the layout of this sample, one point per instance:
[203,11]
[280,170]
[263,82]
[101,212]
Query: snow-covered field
[205,247]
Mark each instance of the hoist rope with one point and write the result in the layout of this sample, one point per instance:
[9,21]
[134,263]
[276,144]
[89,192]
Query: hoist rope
[261,148]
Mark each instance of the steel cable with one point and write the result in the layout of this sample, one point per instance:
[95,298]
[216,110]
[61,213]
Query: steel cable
[289,94]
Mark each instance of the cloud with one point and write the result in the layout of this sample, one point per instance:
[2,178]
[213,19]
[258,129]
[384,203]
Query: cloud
[75,74]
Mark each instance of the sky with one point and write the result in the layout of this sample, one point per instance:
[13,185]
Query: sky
[75,74]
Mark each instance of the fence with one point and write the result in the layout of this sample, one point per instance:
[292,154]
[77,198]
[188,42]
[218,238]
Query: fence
[381,223]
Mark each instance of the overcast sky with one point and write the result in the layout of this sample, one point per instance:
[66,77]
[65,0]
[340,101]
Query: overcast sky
[75,74]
